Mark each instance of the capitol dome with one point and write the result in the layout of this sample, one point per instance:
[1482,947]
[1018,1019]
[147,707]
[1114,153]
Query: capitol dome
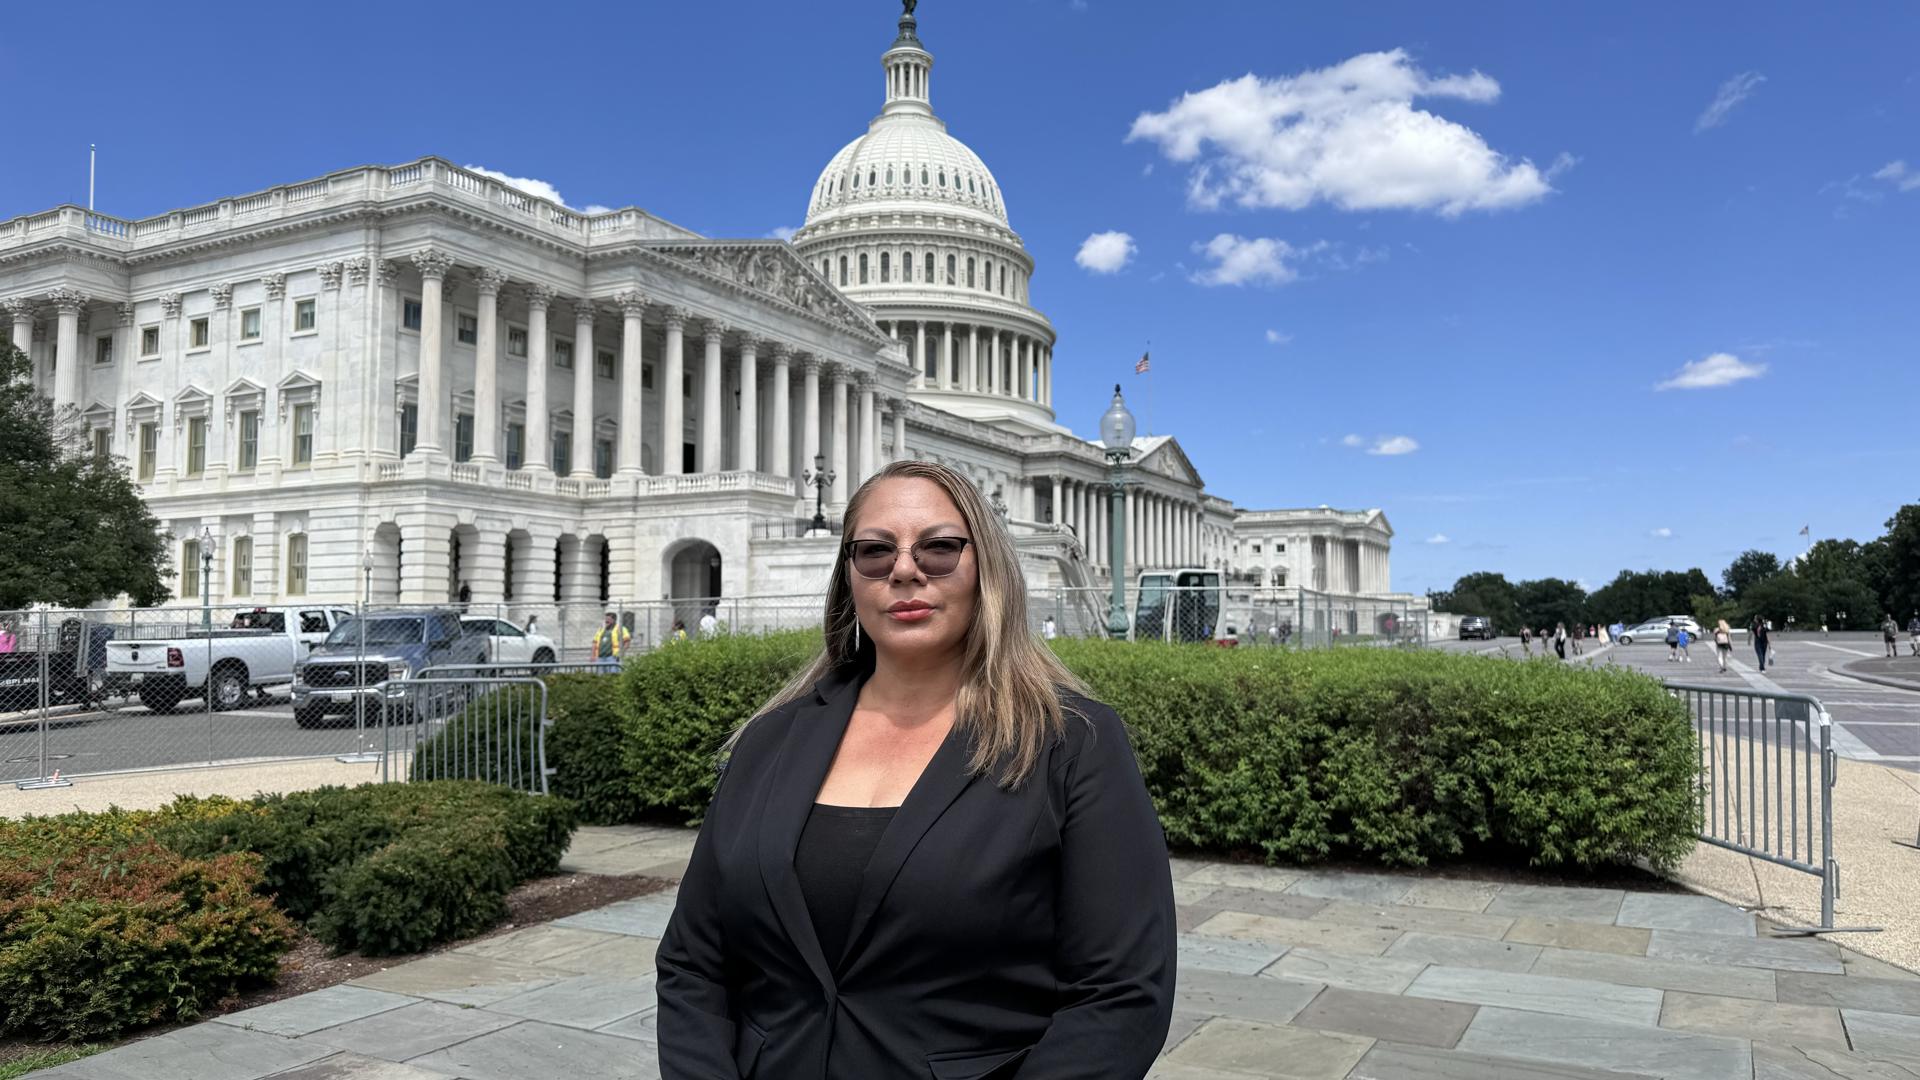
[907,221]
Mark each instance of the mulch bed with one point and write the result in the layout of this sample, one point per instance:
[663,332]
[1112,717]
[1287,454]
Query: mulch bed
[311,965]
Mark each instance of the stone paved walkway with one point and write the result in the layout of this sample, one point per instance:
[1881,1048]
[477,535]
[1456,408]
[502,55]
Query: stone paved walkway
[1284,973]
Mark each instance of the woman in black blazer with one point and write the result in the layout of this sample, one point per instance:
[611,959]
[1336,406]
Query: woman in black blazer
[931,855]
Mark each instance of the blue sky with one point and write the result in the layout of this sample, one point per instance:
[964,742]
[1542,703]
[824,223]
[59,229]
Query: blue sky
[1479,234]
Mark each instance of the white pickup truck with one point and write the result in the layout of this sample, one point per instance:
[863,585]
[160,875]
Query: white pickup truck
[260,647]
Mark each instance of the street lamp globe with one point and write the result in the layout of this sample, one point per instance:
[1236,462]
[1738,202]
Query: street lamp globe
[1116,427]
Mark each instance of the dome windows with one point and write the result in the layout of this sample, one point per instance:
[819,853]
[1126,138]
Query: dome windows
[889,176]
[970,190]
[906,266]
[856,181]
[943,178]
[886,267]
[923,176]
[872,176]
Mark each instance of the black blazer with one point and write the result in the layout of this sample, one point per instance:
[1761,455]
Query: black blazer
[997,934]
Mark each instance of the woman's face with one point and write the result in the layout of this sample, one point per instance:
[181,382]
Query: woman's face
[905,612]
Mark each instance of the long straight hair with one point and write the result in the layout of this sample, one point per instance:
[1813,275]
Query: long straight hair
[1010,703]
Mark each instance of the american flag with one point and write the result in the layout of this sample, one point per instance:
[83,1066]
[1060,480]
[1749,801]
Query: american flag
[1804,528]
[1141,367]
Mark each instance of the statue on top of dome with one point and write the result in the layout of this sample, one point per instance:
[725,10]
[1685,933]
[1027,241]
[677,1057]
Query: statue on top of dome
[909,5]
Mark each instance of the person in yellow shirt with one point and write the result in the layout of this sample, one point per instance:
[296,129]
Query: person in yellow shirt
[610,643]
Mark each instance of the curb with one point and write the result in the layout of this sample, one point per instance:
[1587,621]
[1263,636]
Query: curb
[1882,680]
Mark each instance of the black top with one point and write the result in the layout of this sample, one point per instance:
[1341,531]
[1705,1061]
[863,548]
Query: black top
[836,844]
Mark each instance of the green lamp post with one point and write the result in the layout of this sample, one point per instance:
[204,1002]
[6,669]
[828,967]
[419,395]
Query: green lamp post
[1116,433]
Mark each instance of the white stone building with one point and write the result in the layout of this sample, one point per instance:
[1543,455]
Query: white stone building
[419,368]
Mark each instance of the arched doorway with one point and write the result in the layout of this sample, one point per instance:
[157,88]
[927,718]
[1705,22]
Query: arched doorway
[693,579]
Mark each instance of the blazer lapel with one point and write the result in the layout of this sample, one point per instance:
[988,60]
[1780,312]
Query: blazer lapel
[807,753]
[945,778]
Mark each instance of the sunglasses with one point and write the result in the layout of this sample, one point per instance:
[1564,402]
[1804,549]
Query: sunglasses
[936,556]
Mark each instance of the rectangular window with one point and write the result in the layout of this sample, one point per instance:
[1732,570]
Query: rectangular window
[516,341]
[603,364]
[149,342]
[189,569]
[462,436]
[199,333]
[466,329]
[102,443]
[409,428]
[297,565]
[243,566]
[969,273]
[863,268]
[197,446]
[249,441]
[562,353]
[603,458]
[304,317]
[250,324]
[516,445]
[149,449]
[886,267]
[103,350]
[929,267]
[302,436]
[843,271]
[562,453]
[906,267]
[410,313]
[952,263]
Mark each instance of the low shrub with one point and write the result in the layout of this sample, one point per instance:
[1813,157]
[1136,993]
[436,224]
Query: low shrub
[491,738]
[96,939]
[584,747]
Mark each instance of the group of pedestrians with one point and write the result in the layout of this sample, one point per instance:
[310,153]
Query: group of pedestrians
[1890,635]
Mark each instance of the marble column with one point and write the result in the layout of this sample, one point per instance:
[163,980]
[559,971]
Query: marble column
[69,364]
[486,377]
[583,360]
[1056,509]
[22,309]
[537,448]
[710,443]
[970,373]
[899,407]
[433,267]
[633,311]
[920,355]
[1025,363]
[839,458]
[780,454]
[949,379]
[810,447]
[866,457]
[672,400]
[746,456]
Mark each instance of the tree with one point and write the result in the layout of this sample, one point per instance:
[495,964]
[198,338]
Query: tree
[1482,593]
[1900,562]
[1747,569]
[1551,601]
[1785,599]
[73,530]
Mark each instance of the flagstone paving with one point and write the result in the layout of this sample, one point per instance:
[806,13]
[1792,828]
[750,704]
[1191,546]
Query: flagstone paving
[1310,975]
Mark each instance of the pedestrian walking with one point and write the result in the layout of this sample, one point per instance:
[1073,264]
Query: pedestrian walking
[1913,634]
[1761,634]
[1526,641]
[1686,639]
[1578,633]
[1890,636]
[679,632]
[1047,629]
[9,641]
[1673,642]
[610,643]
[709,624]
[1560,640]
[466,597]
[1723,645]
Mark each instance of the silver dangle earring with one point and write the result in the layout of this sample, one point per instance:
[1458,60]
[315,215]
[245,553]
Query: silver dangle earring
[856,635]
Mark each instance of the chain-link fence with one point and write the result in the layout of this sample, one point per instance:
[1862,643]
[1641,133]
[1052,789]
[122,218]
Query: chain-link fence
[1235,615]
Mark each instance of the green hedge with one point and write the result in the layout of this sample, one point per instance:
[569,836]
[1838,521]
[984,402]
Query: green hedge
[103,929]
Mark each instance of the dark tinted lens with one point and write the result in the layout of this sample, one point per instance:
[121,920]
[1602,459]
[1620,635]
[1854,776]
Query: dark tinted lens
[939,556]
[873,558]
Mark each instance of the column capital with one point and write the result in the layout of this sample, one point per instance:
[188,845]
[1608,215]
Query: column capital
[839,373]
[222,295]
[126,314]
[755,343]
[357,269]
[387,272]
[631,301]
[20,307]
[676,318]
[170,305]
[715,328]
[584,311]
[432,264]
[783,353]
[488,281]
[69,301]
[809,363]
[276,285]
[866,381]
[540,296]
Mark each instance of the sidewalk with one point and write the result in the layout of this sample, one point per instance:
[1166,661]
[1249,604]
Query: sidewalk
[1902,673]
[1283,973]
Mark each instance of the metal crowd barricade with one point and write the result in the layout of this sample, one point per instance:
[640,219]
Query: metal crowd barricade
[1767,775]
[491,729]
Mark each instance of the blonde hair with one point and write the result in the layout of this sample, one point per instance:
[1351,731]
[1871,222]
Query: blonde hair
[1010,702]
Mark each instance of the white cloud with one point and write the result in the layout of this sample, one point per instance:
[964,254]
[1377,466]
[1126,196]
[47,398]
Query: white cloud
[539,189]
[1731,94]
[1275,337]
[1662,533]
[1900,175]
[1393,446]
[1238,260]
[1439,538]
[1353,440]
[783,232]
[1720,369]
[1348,135]
[1106,252]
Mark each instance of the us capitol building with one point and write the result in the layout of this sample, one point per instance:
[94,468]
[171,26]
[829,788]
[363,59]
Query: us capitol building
[417,369]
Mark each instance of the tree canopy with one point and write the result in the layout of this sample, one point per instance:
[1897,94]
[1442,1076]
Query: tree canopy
[73,529]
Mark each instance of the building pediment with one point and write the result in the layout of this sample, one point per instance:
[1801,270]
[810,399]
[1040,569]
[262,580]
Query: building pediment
[1170,461]
[769,270]
[191,395]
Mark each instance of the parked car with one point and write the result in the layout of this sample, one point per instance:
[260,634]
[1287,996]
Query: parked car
[363,657]
[258,648]
[508,643]
[1476,626]
[1655,630]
